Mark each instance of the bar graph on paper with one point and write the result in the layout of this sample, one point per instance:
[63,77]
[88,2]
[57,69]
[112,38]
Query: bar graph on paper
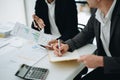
[30,34]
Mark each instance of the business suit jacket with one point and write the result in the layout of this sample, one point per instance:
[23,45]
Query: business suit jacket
[65,17]
[111,64]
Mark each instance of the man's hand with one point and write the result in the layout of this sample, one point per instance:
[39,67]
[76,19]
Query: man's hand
[52,42]
[38,21]
[91,61]
[63,49]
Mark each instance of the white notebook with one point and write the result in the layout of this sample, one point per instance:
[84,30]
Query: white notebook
[87,49]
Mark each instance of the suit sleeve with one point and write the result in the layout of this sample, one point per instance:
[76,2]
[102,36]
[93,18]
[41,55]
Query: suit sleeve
[112,65]
[83,37]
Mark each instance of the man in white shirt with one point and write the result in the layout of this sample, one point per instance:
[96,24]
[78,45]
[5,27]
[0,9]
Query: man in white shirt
[104,24]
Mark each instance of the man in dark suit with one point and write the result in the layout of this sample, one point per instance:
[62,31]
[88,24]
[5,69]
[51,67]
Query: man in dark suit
[64,17]
[104,24]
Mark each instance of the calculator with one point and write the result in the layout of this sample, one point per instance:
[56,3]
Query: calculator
[32,73]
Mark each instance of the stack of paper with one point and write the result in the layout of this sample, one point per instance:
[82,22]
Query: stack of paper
[4,31]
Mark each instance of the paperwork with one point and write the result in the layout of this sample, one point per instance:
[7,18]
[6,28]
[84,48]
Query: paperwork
[3,42]
[25,32]
[19,51]
[5,29]
[26,51]
[29,54]
[25,43]
[30,34]
[87,49]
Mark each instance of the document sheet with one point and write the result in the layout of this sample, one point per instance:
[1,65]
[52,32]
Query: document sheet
[30,34]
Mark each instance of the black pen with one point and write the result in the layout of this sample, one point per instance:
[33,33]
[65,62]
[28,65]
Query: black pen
[42,45]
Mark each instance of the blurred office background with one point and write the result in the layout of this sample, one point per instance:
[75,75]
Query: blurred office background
[22,10]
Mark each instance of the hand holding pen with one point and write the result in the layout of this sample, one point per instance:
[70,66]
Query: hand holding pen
[38,22]
[60,49]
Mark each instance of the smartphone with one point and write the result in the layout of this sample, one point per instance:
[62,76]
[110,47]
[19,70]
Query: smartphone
[32,73]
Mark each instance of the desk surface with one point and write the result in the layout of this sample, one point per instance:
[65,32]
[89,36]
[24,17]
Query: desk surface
[57,71]
[61,70]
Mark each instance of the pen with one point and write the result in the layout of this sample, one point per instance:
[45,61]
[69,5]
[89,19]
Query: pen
[59,47]
[37,25]
[42,45]
[46,47]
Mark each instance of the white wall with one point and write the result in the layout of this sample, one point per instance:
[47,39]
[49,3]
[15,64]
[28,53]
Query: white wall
[29,7]
[17,10]
[12,11]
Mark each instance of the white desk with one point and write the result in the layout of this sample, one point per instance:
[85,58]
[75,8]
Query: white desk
[61,70]
[57,71]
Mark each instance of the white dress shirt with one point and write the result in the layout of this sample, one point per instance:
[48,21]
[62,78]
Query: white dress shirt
[105,27]
[51,14]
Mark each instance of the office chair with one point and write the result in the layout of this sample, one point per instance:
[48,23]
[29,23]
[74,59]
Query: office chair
[81,26]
